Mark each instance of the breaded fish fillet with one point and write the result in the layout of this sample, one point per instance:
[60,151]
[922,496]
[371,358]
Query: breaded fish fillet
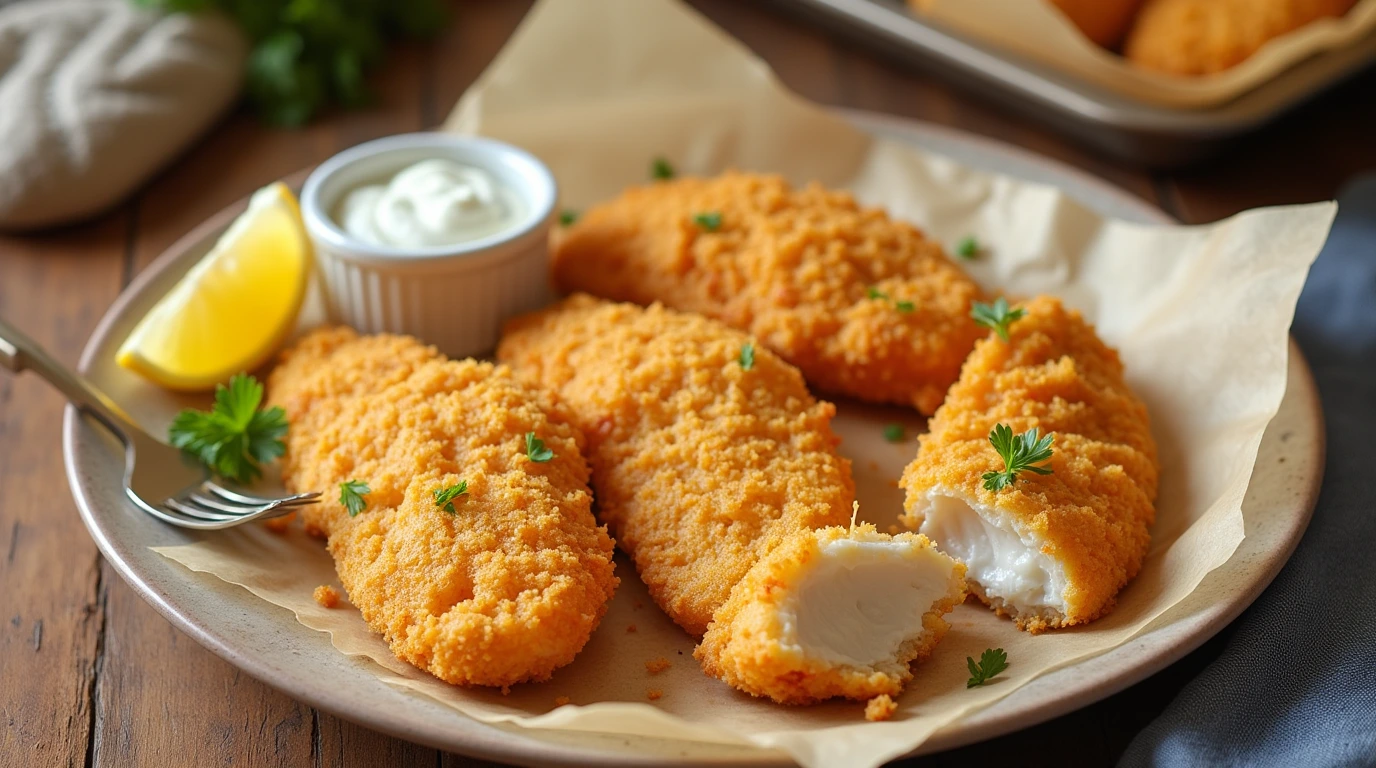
[509,586]
[863,304]
[1050,550]
[1201,37]
[833,613]
[701,464]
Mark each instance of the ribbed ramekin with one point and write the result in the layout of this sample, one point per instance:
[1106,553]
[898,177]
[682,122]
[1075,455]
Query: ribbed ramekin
[455,297]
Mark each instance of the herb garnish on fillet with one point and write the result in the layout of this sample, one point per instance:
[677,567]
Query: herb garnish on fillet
[968,248]
[536,450]
[708,221]
[1019,452]
[997,316]
[444,497]
[351,493]
[747,358]
[234,437]
[991,663]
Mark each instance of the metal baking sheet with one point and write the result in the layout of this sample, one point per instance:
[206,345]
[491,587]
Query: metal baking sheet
[1118,125]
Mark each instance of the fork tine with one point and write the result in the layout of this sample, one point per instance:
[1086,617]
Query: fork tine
[191,510]
[210,486]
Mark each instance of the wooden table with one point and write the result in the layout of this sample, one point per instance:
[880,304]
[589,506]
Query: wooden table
[91,675]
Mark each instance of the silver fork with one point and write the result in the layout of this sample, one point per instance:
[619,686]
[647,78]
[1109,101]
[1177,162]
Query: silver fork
[163,482]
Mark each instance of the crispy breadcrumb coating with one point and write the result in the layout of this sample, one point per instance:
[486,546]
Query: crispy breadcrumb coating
[1201,37]
[880,708]
[508,587]
[700,465]
[326,595]
[766,642]
[792,267]
[1091,517]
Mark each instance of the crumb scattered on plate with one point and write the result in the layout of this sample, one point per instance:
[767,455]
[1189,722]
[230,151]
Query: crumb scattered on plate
[655,666]
[880,707]
[561,701]
[326,595]
[630,627]
[654,694]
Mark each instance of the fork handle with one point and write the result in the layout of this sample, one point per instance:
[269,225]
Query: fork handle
[20,353]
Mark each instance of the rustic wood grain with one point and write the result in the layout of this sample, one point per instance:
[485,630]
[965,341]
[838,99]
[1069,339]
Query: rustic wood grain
[53,287]
[93,676]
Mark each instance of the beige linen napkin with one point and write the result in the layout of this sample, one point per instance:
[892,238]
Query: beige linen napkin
[97,95]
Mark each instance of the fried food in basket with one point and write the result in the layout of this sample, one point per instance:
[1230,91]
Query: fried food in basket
[1202,37]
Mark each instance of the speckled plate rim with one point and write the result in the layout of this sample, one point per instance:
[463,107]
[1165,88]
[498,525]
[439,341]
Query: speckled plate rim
[269,644]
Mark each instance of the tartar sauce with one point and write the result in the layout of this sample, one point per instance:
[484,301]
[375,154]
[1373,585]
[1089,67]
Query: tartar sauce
[432,203]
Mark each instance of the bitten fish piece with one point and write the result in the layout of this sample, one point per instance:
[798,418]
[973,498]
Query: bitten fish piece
[506,588]
[1202,37]
[1050,550]
[831,613]
[703,457]
[863,304]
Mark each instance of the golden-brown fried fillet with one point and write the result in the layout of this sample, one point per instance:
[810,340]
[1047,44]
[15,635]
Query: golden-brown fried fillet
[1201,37]
[508,587]
[700,465]
[833,612]
[863,304]
[1050,550]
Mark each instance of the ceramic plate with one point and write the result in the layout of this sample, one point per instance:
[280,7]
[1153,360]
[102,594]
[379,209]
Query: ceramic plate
[267,642]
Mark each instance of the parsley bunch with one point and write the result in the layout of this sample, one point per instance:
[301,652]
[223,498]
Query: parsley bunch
[310,53]
[233,437]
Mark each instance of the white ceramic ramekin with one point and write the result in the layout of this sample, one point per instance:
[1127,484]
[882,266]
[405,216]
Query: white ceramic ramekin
[455,297]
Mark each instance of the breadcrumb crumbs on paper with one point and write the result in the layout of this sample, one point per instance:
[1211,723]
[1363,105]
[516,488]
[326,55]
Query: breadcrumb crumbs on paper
[280,524]
[879,708]
[630,628]
[326,595]
[638,605]
[655,666]
[654,694]
[561,701]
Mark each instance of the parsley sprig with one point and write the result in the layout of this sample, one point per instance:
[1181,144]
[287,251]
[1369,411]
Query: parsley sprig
[1020,453]
[568,217]
[444,497]
[902,306]
[307,54]
[997,316]
[661,170]
[747,356]
[894,433]
[351,493]
[991,663]
[536,450]
[234,436]
[708,221]
[968,248]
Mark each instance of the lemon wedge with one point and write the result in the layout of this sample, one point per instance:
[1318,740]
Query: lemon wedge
[235,307]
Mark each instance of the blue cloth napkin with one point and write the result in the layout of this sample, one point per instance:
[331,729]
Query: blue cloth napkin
[1296,682]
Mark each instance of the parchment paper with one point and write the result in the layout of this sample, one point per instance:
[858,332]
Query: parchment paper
[1039,31]
[597,88]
